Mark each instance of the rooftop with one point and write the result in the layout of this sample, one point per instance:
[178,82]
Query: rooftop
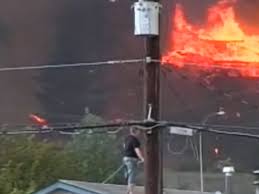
[79,187]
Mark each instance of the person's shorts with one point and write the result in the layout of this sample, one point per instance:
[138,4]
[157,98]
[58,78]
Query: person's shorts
[131,165]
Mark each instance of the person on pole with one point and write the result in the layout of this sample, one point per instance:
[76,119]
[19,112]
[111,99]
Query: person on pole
[132,156]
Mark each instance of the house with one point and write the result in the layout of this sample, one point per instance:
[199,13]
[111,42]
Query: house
[78,187]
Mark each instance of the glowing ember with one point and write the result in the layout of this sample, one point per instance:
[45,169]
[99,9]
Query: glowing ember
[38,120]
[220,43]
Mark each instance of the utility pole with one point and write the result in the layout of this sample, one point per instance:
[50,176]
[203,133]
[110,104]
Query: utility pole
[152,90]
[147,19]
[153,164]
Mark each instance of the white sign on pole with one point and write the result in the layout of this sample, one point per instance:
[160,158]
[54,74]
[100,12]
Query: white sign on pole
[181,131]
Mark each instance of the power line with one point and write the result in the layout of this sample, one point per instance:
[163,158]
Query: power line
[60,131]
[199,126]
[108,128]
[210,129]
[145,125]
[113,128]
[240,134]
[88,64]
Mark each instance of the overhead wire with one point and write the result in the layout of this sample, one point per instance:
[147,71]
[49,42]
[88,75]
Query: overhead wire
[200,126]
[146,126]
[58,66]
[233,133]
[110,128]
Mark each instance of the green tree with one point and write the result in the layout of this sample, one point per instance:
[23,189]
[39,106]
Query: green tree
[96,155]
[91,119]
[27,164]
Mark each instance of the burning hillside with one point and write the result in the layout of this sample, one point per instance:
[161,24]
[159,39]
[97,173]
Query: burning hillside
[219,43]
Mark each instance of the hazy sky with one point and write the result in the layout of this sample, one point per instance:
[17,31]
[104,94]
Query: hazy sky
[36,32]
[67,31]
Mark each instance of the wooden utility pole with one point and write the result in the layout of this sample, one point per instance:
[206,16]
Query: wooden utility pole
[147,25]
[153,159]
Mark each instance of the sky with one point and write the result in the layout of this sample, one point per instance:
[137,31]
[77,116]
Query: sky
[63,31]
[71,31]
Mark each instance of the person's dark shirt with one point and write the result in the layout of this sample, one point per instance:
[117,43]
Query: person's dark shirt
[131,142]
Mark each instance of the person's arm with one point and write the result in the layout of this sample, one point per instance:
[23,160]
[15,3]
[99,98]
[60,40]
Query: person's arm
[139,154]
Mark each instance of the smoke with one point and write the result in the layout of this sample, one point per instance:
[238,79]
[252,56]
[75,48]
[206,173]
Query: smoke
[25,32]
[88,31]
[248,15]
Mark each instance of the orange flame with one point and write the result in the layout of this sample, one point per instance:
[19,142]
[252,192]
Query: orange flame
[38,120]
[221,42]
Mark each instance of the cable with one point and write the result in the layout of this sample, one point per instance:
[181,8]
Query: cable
[77,129]
[115,131]
[146,126]
[161,124]
[194,149]
[113,174]
[25,132]
[233,133]
[69,133]
[42,67]
[199,126]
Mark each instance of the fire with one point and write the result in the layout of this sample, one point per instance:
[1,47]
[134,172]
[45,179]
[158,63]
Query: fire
[219,43]
[38,120]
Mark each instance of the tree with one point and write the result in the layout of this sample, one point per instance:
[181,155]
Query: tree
[97,155]
[91,119]
[27,164]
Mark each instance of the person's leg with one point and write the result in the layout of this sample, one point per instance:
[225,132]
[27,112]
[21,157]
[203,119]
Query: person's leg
[132,167]
[127,172]
[130,189]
